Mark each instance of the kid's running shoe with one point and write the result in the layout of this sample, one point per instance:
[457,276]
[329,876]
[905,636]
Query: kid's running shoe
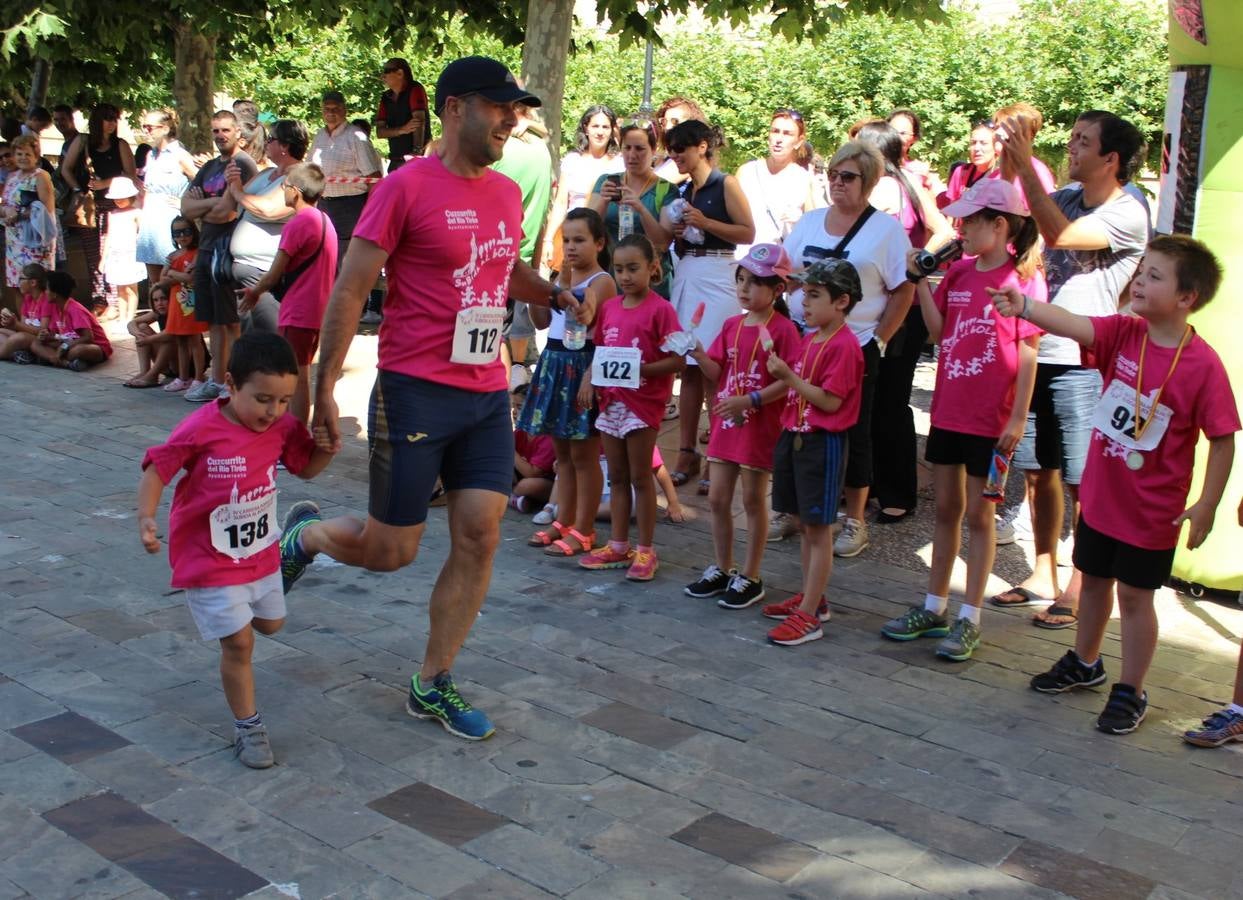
[1069,673]
[798,628]
[914,623]
[743,592]
[606,558]
[293,560]
[781,611]
[1123,711]
[441,702]
[1221,727]
[960,643]
[644,566]
[714,581]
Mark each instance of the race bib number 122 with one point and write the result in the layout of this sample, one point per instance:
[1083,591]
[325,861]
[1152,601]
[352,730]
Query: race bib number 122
[616,367]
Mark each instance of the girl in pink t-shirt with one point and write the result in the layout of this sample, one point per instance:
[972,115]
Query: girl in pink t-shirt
[746,421]
[985,373]
[18,332]
[552,405]
[634,377]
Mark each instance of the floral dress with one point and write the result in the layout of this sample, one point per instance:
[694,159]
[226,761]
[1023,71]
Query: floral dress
[17,253]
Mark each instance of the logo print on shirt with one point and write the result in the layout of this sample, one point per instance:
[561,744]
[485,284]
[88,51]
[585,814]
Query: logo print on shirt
[466,278]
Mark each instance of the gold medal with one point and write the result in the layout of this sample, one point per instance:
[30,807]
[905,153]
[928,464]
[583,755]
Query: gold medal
[798,442]
[1135,460]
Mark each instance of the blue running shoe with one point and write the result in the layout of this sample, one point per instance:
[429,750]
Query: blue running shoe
[293,560]
[441,702]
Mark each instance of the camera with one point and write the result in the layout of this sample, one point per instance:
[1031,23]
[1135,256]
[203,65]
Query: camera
[926,263]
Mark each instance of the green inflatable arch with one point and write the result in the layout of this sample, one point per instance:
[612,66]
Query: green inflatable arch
[1202,194]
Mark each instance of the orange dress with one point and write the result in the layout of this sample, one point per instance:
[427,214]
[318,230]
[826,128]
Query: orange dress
[181,298]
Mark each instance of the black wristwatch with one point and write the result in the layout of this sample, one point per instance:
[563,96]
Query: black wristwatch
[553,295]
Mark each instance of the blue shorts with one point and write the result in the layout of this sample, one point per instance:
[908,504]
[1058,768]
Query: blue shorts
[1059,423]
[420,430]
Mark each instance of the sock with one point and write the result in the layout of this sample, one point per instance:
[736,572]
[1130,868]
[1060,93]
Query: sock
[251,722]
[619,546]
[969,612]
[641,548]
[936,604]
[1235,708]
[1083,662]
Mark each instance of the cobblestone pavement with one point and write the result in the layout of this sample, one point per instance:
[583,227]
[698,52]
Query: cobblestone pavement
[648,746]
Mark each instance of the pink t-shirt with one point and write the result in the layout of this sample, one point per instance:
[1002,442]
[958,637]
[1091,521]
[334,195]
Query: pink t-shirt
[959,182]
[452,244]
[536,449]
[1139,507]
[837,367]
[979,357]
[305,302]
[645,326]
[66,321]
[744,368]
[228,496]
[35,309]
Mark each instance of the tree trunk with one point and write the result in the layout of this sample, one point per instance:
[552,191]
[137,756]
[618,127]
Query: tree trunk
[194,81]
[544,54]
[38,84]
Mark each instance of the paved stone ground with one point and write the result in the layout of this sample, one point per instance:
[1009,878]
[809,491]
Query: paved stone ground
[648,746]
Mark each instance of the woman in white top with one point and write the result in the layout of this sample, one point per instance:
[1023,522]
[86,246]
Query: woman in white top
[777,187]
[594,154]
[169,171]
[875,244]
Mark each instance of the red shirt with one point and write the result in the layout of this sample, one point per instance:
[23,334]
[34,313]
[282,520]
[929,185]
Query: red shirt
[744,368]
[217,531]
[537,449]
[68,320]
[452,244]
[1138,507]
[836,366]
[305,302]
[979,358]
[645,326]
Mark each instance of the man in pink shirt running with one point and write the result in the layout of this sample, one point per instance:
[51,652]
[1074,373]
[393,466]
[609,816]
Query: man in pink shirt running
[446,229]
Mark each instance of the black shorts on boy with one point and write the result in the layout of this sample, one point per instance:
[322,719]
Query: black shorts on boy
[809,469]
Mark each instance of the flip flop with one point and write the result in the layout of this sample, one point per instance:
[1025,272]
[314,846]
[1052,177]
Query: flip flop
[1056,609]
[1027,598]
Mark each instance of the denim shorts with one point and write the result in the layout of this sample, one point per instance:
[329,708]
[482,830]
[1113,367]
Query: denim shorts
[1059,423]
[420,430]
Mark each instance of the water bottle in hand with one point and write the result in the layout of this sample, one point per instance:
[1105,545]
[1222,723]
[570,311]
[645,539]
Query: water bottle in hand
[575,331]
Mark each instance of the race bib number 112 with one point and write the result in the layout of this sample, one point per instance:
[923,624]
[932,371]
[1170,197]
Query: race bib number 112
[477,335]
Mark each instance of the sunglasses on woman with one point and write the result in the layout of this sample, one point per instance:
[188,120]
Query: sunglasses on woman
[843,176]
[183,232]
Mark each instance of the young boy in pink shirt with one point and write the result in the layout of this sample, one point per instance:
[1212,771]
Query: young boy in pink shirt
[1163,386]
[223,531]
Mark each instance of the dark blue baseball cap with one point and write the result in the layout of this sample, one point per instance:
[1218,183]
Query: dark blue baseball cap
[480,75]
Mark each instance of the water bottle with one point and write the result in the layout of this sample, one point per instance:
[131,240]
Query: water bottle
[625,221]
[995,485]
[575,337]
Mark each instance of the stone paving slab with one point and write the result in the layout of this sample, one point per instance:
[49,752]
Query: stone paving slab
[648,746]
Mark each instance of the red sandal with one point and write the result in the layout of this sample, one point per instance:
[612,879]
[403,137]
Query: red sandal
[562,548]
[555,531]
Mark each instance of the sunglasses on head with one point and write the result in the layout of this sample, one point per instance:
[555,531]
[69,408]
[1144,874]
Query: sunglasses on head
[843,176]
[788,113]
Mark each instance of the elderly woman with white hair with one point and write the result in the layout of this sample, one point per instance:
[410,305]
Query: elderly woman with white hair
[876,245]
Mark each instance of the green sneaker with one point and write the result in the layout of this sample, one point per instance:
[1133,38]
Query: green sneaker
[960,643]
[293,560]
[914,623]
[441,702]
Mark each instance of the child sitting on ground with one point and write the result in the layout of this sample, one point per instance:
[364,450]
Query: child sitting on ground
[1163,386]
[223,530]
[73,339]
[18,331]
[535,463]
[809,463]
[157,350]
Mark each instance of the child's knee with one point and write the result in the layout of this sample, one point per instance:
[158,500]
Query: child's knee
[267,626]
[240,644]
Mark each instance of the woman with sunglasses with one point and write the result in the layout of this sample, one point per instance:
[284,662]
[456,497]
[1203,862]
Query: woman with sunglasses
[107,157]
[876,245]
[168,173]
[594,154]
[630,203]
[777,187]
[708,226]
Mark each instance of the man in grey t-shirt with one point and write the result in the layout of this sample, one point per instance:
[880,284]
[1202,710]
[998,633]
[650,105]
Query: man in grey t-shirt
[1094,237]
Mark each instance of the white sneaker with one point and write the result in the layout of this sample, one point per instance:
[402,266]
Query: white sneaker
[1022,523]
[208,390]
[852,541]
[545,516]
[1004,532]
[1065,551]
[781,527]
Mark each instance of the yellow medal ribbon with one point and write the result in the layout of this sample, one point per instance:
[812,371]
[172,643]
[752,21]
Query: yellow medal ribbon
[1141,425]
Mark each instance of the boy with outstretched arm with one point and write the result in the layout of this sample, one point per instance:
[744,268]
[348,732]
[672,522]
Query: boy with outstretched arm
[1163,386]
[223,531]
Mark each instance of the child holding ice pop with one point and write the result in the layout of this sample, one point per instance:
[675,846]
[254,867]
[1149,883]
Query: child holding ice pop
[746,421]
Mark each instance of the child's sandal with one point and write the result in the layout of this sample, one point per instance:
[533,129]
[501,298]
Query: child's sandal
[562,547]
[555,531]
[681,477]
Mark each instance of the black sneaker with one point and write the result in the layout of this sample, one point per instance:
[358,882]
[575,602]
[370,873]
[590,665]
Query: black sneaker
[742,593]
[713,582]
[1124,710]
[1069,673]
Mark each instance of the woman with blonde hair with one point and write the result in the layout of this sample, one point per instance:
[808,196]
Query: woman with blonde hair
[170,169]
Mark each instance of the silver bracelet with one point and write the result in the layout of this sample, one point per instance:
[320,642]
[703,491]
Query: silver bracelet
[1027,301]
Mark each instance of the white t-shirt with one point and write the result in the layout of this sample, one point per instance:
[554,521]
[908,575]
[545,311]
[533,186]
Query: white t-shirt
[1089,282]
[579,172]
[877,251]
[777,201]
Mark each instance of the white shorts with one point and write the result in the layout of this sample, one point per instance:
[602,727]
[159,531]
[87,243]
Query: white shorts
[710,280]
[221,611]
[616,420]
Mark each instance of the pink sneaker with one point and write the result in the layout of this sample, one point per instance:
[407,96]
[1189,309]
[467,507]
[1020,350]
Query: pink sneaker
[606,558]
[781,611]
[176,386]
[798,628]
[194,385]
[644,566]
